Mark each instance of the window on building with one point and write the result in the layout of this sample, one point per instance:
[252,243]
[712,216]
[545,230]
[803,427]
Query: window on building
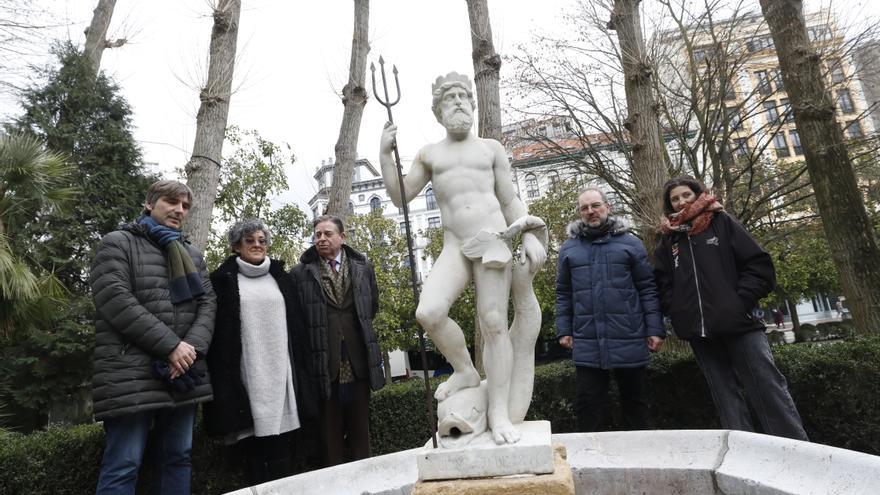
[433,222]
[835,66]
[819,33]
[777,80]
[844,101]
[796,142]
[729,91]
[785,106]
[375,203]
[532,190]
[781,145]
[360,198]
[350,208]
[854,130]
[760,43]
[771,111]
[740,147]
[430,200]
[764,86]
[552,177]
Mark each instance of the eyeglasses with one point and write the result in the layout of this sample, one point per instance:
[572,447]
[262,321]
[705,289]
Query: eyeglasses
[592,206]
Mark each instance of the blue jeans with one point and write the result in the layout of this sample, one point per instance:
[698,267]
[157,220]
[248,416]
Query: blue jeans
[126,438]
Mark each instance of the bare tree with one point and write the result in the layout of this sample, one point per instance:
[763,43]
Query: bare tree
[487,67]
[580,79]
[844,218]
[354,97]
[649,156]
[203,168]
[24,29]
[96,33]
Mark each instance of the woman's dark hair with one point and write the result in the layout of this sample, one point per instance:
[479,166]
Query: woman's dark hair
[685,180]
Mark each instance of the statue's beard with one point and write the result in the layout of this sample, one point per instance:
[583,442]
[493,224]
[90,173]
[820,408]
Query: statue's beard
[458,121]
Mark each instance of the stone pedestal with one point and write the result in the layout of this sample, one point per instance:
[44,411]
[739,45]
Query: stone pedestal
[559,482]
[483,458]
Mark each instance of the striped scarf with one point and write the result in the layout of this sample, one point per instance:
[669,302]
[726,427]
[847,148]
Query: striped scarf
[184,280]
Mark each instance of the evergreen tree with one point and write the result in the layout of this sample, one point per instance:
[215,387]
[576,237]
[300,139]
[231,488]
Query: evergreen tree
[88,120]
[44,361]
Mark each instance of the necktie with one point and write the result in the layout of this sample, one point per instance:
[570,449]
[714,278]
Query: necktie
[333,265]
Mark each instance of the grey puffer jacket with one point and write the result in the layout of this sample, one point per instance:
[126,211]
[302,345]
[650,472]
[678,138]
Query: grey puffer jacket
[136,324]
[366,302]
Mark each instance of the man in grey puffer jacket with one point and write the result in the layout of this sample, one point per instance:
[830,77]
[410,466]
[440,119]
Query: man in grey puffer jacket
[155,317]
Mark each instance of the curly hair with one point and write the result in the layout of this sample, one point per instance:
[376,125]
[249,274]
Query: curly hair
[244,228]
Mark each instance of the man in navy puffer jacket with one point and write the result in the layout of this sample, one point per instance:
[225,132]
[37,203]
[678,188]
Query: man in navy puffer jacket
[607,312]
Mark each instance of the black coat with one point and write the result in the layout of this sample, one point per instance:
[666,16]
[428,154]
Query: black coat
[230,410]
[136,324]
[366,302]
[709,283]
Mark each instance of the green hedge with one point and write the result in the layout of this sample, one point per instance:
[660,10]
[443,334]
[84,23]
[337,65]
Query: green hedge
[833,385]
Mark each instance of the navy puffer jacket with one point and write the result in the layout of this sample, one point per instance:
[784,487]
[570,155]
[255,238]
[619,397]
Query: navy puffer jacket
[606,298]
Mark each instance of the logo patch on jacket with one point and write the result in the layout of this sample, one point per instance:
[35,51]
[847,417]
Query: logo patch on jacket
[712,241]
[675,255]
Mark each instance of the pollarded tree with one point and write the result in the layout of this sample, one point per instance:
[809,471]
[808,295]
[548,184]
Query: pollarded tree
[354,98]
[203,168]
[840,203]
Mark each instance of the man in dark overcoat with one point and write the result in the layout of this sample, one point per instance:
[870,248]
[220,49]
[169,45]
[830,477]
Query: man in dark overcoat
[340,298]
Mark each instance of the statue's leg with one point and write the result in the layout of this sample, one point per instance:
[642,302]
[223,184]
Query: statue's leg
[523,333]
[493,288]
[443,285]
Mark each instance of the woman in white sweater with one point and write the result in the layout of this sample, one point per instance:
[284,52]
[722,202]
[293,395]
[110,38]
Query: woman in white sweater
[257,355]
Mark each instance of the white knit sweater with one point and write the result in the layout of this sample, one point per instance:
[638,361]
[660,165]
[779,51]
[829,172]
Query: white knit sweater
[265,361]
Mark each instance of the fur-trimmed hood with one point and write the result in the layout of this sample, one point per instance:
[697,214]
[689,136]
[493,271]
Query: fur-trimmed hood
[578,228]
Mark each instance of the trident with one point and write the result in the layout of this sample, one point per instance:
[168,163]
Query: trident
[387,103]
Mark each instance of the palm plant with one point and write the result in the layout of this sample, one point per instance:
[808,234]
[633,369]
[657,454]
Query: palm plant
[32,181]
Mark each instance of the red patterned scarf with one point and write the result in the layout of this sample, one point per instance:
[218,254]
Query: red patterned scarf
[693,218]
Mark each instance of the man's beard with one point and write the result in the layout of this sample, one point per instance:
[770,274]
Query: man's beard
[458,121]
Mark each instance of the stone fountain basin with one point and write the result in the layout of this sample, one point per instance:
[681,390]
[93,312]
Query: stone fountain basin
[658,462]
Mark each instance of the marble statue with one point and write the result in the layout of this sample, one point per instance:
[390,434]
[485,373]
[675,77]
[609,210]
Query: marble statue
[481,216]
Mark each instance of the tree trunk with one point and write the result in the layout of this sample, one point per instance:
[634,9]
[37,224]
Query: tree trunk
[203,168]
[96,33]
[793,314]
[837,194]
[487,69]
[354,97]
[648,162]
[386,358]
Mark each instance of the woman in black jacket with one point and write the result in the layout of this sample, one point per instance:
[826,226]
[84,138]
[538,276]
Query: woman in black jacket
[711,273]
[257,356]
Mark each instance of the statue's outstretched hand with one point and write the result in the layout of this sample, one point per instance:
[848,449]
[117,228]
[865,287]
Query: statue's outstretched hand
[389,134]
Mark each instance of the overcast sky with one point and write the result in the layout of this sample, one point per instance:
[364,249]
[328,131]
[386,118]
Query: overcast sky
[292,63]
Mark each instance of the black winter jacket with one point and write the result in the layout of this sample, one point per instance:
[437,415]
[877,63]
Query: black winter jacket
[709,283]
[136,324]
[230,411]
[307,278]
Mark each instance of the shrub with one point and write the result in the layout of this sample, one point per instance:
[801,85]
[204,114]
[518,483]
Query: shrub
[832,384]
